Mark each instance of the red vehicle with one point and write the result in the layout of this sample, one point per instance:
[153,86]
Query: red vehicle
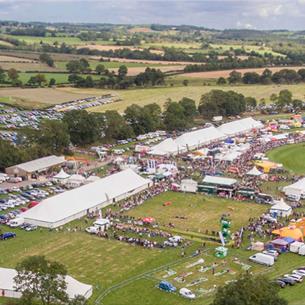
[32,204]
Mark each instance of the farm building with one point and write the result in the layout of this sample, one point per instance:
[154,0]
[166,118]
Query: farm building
[25,170]
[74,204]
[8,289]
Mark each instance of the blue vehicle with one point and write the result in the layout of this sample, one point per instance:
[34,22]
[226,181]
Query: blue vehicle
[7,235]
[166,286]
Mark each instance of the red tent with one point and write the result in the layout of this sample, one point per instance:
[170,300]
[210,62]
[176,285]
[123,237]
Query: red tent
[148,220]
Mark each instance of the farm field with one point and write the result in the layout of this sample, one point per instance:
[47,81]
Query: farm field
[201,212]
[38,97]
[291,156]
[41,97]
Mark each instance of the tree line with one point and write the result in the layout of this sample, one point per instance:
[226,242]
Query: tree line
[284,76]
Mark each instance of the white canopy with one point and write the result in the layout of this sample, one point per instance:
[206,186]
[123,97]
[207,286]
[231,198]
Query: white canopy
[166,147]
[254,172]
[219,180]
[61,175]
[280,205]
[297,188]
[74,287]
[74,204]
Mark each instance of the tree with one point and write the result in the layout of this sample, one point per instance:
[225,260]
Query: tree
[249,290]
[99,69]
[251,78]
[9,155]
[73,66]
[284,99]
[2,76]
[40,78]
[218,102]
[116,126]
[234,77]
[52,82]
[189,108]
[298,104]
[84,65]
[251,102]
[122,72]
[83,127]
[46,58]
[185,82]
[40,279]
[54,136]
[13,75]
[273,97]
[174,118]
[221,81]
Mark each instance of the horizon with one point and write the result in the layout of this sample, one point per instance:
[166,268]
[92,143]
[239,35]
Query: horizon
[235,14]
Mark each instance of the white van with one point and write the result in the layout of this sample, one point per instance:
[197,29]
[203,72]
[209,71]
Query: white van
[302,250]
[17,222]
[295,246]
[262,259]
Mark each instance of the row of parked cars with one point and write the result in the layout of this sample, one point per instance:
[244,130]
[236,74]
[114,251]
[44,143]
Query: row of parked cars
[296,276]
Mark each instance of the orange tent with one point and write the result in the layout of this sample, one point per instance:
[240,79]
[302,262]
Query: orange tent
[292,232]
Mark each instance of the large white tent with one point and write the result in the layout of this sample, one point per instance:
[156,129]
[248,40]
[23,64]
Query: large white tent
[198,138]
[295,189]
[240,126]
[8,286]
[280,208]
[74,204]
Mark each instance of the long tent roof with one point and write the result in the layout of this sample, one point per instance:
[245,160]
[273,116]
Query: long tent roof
[298,186]
[74,287]
[194,139]
[72,202]
[239,126]
[219,180]
[41,163]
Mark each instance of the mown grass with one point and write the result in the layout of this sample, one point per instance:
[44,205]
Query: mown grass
[291,156]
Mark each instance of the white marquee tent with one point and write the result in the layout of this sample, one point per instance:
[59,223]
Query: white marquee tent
[254,172]
[295,189]
[280,208]
[74,204]
[240,126]
[8,287]
[195,139]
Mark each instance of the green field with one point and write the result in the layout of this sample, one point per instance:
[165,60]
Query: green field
[107,263]
[201,212]
[291,156]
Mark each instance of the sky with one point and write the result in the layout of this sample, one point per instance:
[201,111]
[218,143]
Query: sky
[218,14]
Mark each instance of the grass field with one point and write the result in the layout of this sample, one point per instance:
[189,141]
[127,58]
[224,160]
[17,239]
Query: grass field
[105,263]
[291,156]
[201,212]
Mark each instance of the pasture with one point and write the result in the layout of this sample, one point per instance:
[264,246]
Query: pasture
[291,156]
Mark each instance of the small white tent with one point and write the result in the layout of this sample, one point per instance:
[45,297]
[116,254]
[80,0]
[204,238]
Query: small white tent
[280,208]
[75,180]
[254,172]
[61,176]
[189,186]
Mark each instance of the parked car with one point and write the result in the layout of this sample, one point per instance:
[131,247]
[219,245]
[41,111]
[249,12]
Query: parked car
[288,281]
[166,286]
[186,293]
[295,277]
[272,253]
[7,235]
[280,283]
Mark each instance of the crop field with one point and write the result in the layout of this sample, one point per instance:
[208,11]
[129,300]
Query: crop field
[291,156]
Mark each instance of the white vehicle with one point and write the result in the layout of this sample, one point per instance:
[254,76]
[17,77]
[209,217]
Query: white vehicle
[175,239]
[186,293]
[295,277]
[263,259]
[17,222]
[299,272]
[272,253]
[92,230]
[295,246]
